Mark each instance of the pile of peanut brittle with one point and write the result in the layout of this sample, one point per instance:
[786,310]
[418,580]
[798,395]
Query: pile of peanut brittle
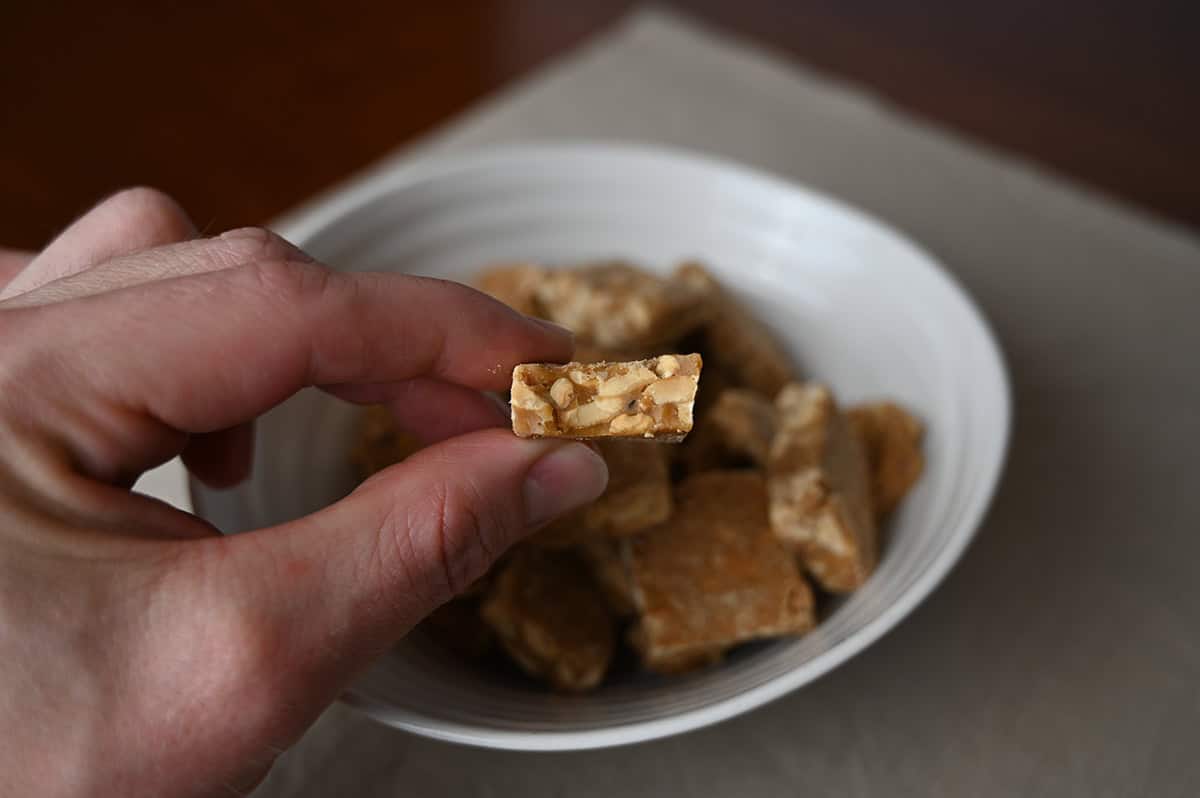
[701,542]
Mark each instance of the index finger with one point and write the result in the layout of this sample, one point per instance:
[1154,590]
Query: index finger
[208,351]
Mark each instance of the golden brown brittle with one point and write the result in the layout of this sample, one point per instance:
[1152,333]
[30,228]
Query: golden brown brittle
[738,343]
[617,306]
[818,481]
[714,575]
[551,617]
[736,430]
[641,399]
[513,284]
[891,437]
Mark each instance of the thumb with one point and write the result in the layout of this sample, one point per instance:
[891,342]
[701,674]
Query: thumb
[346,583]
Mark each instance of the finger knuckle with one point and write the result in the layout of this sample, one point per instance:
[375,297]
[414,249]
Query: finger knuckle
[152,210]
[454,536]
[250,245]
[461,536]
[293,280]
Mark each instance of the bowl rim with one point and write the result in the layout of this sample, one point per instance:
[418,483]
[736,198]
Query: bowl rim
[331,210]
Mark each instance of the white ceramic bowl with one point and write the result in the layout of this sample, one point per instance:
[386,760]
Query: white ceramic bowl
[858,305]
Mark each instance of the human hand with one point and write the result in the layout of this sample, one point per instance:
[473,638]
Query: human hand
[141,652]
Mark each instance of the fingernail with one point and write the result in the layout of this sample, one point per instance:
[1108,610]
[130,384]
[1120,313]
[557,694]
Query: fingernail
[569,476]
[555,328]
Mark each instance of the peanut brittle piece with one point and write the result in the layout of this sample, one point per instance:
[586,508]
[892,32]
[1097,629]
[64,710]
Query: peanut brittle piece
[739,343]
[891,437]
[714,575]
[819,486]
[551,618]
[513,284]
[638,496]
[380,443]
[744,423]
[642,399]
[617,306]
[737,429]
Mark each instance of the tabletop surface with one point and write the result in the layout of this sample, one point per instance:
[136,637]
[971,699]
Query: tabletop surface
[241,109]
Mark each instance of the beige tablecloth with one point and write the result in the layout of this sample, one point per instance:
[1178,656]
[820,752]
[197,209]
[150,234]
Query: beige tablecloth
[1062,656]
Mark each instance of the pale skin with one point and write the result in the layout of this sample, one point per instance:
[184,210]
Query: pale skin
[142,652]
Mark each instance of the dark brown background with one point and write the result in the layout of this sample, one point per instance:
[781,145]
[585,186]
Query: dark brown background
[242,109]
